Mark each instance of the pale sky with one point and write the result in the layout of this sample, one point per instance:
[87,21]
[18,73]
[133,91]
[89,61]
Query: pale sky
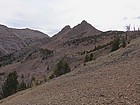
[50,16]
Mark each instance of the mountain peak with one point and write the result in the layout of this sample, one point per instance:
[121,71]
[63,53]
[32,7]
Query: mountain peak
[67,27]
[83,29]
[64,30]
[84,22]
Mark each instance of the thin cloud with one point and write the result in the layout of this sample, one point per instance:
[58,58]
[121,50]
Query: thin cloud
[138,17]
[50,16]
[125,18]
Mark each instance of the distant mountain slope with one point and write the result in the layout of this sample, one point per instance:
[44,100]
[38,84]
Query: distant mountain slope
[9,42]
[29,35]
[113,79]
[84,29]
[15,39]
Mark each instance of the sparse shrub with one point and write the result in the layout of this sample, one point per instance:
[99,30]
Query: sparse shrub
[128,42]
[52,76]
[7,59]
[84,64]
[3,73]
[48,68]
[22,85]
[115,44]
[123,43]
[86,58]
[29,85]
[33,78]
[89,57]
[45,53]
[29,55]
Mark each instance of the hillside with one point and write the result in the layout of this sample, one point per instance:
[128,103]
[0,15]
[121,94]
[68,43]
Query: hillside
[12,40]
[33,61]
[37,60]
[113,79]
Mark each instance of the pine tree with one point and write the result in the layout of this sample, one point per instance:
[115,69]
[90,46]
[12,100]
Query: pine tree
[10,85]
[62,68]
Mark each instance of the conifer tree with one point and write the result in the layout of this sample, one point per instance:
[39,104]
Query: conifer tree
[10,85]
[62,68]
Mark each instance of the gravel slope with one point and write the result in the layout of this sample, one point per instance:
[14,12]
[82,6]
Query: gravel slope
[110,80]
